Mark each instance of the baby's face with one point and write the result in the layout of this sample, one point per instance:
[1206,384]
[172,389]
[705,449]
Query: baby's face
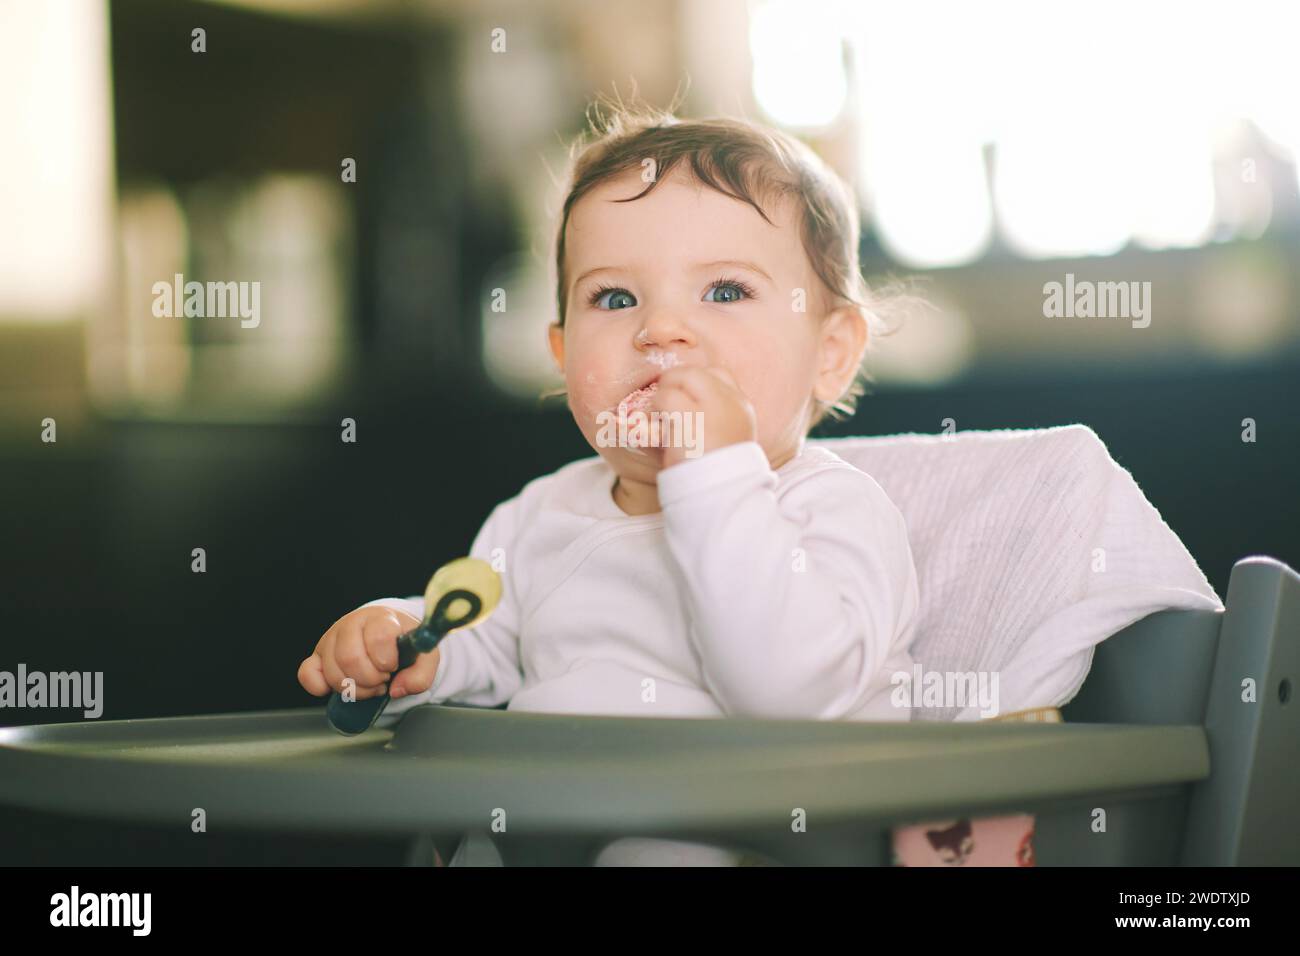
[686,276]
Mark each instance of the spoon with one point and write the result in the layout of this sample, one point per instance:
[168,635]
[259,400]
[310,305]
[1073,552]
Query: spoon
[460,594]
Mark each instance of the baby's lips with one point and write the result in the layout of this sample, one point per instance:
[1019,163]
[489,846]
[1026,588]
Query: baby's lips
[636,409]
[639,399]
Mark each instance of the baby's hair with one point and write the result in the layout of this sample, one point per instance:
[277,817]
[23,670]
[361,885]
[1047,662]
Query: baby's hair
[750,163]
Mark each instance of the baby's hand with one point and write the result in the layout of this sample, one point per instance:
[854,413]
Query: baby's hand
[362,645]
[728,416]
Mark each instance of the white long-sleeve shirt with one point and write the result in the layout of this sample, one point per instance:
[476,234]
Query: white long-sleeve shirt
[786,594]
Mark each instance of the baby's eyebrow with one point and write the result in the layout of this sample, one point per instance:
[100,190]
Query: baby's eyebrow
[717,263]
[740,263]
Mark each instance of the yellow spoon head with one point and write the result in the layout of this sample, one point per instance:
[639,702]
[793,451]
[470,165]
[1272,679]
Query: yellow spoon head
[463,574]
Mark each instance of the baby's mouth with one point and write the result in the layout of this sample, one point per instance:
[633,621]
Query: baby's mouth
[638,400]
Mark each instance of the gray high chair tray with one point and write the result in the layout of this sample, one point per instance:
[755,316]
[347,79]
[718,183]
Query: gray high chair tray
[1159,738]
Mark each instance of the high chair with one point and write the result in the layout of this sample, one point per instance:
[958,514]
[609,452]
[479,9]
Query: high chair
[1038,558]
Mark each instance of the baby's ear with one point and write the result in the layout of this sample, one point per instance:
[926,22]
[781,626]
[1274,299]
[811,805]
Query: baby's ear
[555,334]
[844,334]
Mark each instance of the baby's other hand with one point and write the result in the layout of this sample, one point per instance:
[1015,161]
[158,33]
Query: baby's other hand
[727,414]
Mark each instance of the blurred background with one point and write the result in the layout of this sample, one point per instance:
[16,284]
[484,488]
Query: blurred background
[383,167]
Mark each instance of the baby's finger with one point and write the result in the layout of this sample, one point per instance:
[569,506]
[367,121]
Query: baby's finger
[380,636]
[678,381]
[351,654]
[363,693]
[418,677]
[311,675]
[329,667]
[676,397]
[723,374]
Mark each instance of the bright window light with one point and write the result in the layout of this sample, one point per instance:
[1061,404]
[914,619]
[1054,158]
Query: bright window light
[797,46]
[1093,123]
[56,140]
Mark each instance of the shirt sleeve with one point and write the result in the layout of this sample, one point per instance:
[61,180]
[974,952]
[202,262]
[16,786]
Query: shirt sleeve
[477,665]
[798,602]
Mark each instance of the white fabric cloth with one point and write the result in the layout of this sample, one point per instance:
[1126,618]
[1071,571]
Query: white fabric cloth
[753,593]
[1032,546]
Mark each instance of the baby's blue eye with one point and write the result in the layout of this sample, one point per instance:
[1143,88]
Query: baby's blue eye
[613,293]
[737,291]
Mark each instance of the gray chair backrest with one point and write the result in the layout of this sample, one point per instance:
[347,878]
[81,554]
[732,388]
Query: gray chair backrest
[1155,671]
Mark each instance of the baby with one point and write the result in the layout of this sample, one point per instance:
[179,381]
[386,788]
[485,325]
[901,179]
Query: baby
[706,562]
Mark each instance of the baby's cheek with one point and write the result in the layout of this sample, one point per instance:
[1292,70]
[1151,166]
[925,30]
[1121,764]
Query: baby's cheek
[777,411]
[790,391]
[765,399]
[590,416]
[583,384]
[582,406]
